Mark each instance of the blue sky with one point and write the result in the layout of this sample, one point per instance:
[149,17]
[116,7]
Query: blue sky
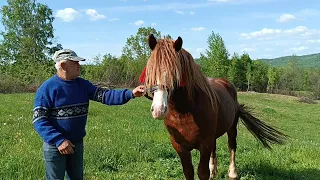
[262,28]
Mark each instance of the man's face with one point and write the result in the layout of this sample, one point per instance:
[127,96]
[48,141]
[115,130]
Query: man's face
[73,68]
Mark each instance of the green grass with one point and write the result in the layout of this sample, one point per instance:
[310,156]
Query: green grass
[124,142]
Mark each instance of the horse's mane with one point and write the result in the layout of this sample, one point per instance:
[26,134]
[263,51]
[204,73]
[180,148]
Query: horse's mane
[179,66]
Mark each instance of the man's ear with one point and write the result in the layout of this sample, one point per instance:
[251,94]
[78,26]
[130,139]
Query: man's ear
[64,65]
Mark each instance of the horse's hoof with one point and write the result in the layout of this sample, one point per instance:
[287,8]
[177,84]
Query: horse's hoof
[233,178]
[233,175]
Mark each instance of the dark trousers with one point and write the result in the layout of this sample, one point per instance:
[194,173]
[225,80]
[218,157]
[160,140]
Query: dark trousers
[57,165]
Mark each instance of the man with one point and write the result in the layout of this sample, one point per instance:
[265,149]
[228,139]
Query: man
[60,114]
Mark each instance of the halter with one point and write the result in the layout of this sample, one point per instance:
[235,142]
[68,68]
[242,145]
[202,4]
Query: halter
[152,90]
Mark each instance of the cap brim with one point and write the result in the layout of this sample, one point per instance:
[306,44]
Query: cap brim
[76,59]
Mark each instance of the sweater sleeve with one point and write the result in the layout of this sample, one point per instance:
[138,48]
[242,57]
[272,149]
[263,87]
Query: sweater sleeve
[108,96]
[41,122]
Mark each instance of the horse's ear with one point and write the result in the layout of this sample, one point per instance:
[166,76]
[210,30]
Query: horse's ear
[178,44]
[152,42]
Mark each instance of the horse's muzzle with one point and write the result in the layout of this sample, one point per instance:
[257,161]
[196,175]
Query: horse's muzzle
[159,112]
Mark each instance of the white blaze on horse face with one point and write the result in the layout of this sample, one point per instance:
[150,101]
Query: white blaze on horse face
[159,105]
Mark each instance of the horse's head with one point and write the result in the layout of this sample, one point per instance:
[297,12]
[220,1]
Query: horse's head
[172,74]
[164,72]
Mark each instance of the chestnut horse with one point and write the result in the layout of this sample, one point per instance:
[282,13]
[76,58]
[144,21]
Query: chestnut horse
[197,110]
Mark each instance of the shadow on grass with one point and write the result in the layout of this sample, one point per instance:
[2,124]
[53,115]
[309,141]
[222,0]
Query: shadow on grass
[265,171]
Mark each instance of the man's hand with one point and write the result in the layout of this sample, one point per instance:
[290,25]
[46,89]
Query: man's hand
[138,91]
[66,147]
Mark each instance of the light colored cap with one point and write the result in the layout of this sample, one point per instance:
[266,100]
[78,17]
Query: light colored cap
[66,54]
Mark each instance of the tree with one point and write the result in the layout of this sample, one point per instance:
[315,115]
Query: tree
[315,83]
[291,78]
[215,60]
[28,30]
[259,78]
[245,73]
[248,75]
[136,53]
[27,34]
[235,70]
[137,47]
[273,79]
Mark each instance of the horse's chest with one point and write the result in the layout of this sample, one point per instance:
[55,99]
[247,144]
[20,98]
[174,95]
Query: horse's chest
[183,128]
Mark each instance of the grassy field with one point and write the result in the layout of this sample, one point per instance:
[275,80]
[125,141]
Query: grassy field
[124,142]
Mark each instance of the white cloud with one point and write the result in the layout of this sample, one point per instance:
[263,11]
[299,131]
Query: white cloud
[286,18]
[267,34]
[312,41]
[261,33]
[179,12]
[269,49]
[314,33]
[200,50]
[113,19]
[94,15]
[198,29]
[300,15]
[139,23]
[281,43]
[301,48]
[310,12]
[67,14]
[248,50]
[182,12]
[153,24]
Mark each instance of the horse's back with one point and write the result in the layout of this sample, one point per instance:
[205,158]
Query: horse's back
[226,84]
[228,104]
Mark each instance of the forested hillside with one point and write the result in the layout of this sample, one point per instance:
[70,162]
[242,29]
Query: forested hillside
[306,61]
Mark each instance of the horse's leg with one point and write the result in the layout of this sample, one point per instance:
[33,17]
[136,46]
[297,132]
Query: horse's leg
[232,145]
[186,160]
[213,164]
[205,152]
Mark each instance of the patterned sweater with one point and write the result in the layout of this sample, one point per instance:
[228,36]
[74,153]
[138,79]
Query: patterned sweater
[61,107]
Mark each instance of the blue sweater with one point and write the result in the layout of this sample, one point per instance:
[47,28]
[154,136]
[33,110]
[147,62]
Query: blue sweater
[61,107]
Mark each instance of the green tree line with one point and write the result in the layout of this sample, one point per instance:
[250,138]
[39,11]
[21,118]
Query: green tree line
[28,42]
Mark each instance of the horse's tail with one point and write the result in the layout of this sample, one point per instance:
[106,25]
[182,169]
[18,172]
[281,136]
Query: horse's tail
[259,129]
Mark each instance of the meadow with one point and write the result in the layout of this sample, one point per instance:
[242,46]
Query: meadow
[125,142]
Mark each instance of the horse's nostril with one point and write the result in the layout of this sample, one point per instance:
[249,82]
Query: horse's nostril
[151,109]
[165,109]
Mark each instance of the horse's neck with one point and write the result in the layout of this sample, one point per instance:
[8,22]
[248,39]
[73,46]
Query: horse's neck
[181,101]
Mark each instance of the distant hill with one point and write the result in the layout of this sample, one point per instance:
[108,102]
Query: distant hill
[307,61]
